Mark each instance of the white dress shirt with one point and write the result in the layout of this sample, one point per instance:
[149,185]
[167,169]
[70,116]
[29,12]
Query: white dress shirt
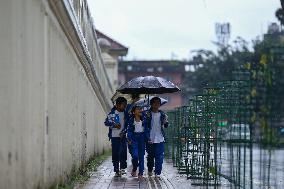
[156,135]
[138,127]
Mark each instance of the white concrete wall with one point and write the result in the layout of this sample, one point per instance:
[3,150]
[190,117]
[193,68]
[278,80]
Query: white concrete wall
[50,116]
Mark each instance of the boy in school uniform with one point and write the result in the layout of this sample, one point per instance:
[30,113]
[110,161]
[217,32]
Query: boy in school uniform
[156,122]
[137,135]
[116,121]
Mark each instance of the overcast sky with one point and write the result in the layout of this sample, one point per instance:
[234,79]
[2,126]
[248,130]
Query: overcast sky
[154,29]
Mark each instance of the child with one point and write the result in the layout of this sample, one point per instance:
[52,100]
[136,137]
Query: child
[117,130]
[134,99]
[137,135]
[156,122]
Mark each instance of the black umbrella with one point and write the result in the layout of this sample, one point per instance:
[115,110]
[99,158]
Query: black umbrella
[148,85]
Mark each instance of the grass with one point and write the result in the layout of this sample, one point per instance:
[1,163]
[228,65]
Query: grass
[83,174]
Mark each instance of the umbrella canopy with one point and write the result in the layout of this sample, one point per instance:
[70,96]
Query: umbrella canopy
[148,85]
[144,102]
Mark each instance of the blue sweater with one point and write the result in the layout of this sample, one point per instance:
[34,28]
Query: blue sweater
[131,128]
[109,122]
[162,118]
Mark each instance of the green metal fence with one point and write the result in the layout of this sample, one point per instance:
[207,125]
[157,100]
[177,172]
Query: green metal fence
[212,137]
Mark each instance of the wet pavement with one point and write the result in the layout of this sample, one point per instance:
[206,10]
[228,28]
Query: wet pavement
[239,167]
[104,179]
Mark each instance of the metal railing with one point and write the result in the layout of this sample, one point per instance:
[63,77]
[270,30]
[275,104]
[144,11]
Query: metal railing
[84,25]
[214,139]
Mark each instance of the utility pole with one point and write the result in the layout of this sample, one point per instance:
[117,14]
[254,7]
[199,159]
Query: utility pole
[223,31]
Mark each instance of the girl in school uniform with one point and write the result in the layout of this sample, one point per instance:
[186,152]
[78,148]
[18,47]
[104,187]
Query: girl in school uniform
[137,135]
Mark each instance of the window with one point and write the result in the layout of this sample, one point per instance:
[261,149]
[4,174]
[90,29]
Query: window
[150,69]
[160,69]
[129,68]
[188,68]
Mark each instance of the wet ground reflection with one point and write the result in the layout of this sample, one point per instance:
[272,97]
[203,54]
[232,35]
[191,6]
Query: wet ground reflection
[250,166]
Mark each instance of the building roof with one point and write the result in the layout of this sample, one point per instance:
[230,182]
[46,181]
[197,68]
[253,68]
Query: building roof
[152,66]
[115,46]
[172,62]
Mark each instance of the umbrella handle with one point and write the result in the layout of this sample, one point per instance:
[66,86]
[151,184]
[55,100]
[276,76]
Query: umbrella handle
[148,101]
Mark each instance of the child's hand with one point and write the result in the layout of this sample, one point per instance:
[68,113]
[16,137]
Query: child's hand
[129,142]
[165,120]
[121,134]
[117,126]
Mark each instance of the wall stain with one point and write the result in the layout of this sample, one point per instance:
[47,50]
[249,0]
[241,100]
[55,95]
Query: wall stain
[10,158]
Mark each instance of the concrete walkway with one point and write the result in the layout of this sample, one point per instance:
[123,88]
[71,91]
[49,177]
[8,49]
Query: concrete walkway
[104,179]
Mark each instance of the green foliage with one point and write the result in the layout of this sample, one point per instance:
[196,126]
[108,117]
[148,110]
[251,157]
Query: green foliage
[265,64]
[213,67]
[280,15]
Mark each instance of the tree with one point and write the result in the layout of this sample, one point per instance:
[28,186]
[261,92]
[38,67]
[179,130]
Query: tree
[280,13]
[213,67]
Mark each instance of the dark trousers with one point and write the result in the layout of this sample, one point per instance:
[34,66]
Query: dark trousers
[138,152]
[119,153]
[155,156]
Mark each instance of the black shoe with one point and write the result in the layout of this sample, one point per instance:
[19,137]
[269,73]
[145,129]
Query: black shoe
[117,174]
[123,172]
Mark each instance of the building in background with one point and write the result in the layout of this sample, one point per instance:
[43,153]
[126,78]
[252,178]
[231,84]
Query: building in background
[112,51]
[171,70]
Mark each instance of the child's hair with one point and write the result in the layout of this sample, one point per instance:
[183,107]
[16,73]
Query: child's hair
[134,108]
[134,96]
[120,100]
[154,99]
